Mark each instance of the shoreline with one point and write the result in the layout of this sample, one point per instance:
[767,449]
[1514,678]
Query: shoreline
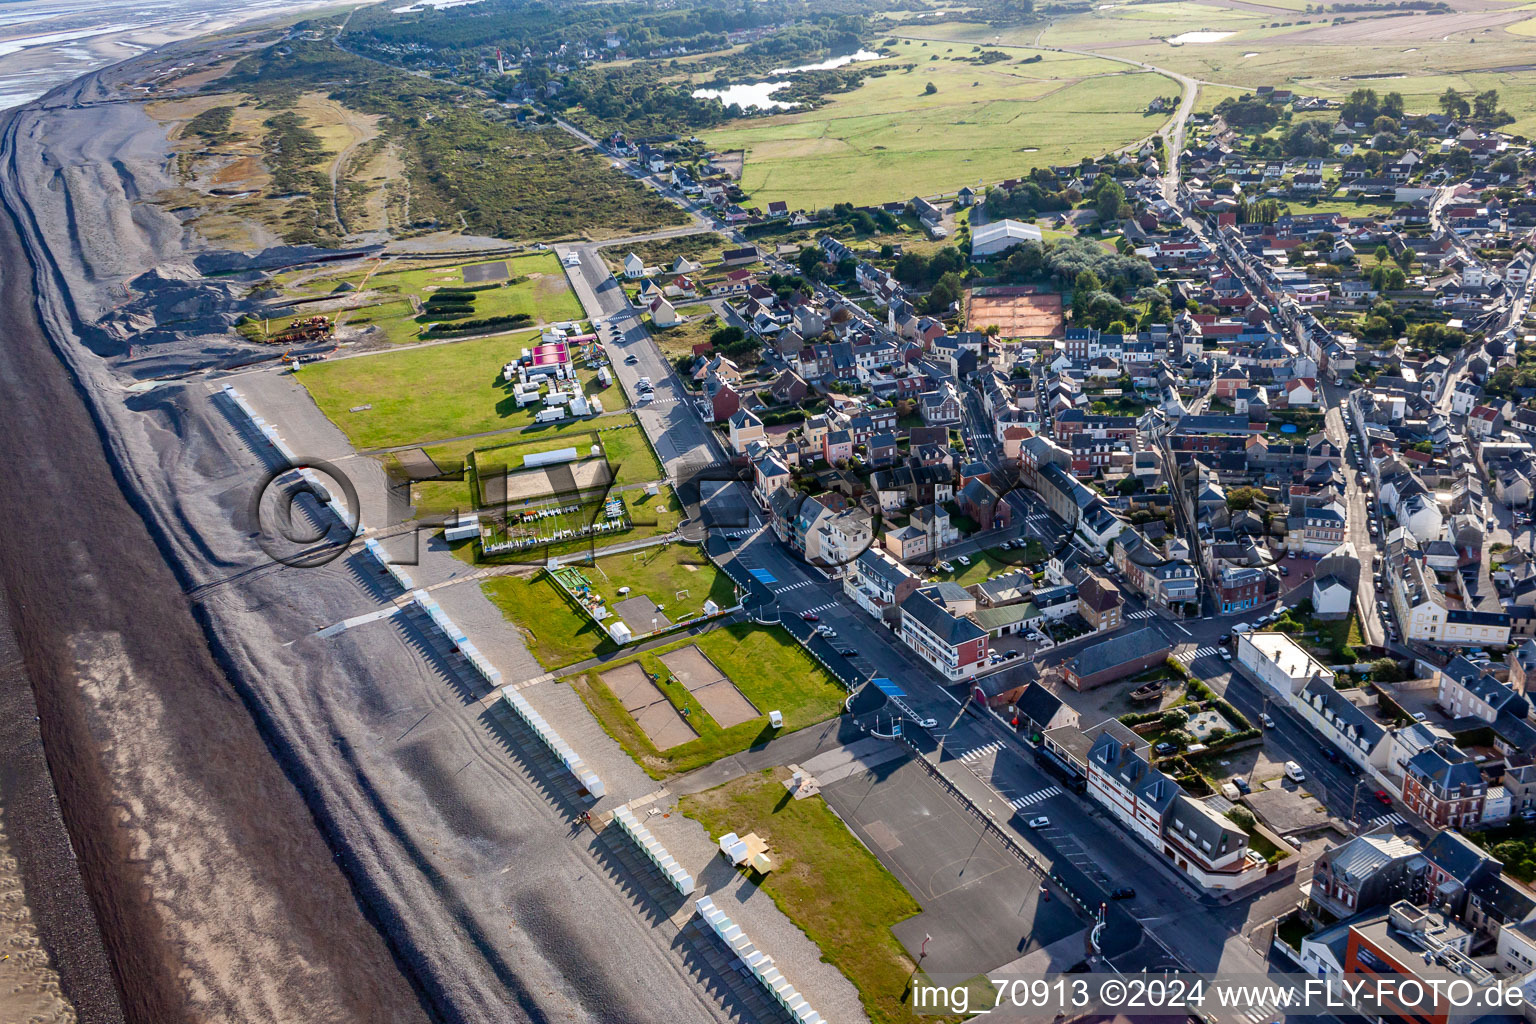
[309,861]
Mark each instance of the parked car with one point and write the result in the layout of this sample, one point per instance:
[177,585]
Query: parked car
[1225,655]
[1265,720]
[1040,822]
[829,632]
[1294,773]
[1242,785]
[963,560]
[1164,748]
[1125,892]
[1285,570]
[1382,798]
[947,566]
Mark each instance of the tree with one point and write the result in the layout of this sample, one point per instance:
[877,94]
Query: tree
[945,291]
[930,89]
[726,336]
[809,261]
[1485,105]
[1384,125]
[1088,282]
[1383,254]
[1452,103]
[1241,498]
[1110,199]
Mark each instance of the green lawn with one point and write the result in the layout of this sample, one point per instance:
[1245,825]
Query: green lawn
[559,635]
[767,666]
[430,392]
[889,139]
[824,880]
[1348,207]
[544,295]
[987,564]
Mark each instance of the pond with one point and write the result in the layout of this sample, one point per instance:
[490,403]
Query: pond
[827,65]
[759,95]
[753,96]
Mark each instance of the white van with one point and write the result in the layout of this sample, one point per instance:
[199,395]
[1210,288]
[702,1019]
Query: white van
[1294,773]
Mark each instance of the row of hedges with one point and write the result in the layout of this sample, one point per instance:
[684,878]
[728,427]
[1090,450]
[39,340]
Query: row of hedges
[485,324]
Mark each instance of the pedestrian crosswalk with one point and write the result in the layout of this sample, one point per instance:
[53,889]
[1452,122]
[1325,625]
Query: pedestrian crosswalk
[977,753]
[1145,613]
[792,586]
[1038,517]
[1255,1015]
[1207,652]
[821,608]
[1030,799]
[1394,819]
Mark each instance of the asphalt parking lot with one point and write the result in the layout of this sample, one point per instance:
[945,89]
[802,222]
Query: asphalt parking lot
[981,906]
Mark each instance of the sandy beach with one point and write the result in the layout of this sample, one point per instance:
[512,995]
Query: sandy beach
[29,986]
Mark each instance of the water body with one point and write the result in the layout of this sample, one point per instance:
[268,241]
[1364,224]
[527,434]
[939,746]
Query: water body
[856,56]
[759,95]
[748,96]
[1200,37]
[45,43]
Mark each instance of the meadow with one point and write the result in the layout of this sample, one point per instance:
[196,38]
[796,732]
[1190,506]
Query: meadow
[890,138]
[1418,55]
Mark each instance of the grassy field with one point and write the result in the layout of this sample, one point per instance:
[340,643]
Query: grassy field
[629,457]
[764,663]
[1348,207]
[1417,55]
[984,565]
[429,392]
[559,635]
[679,341]
[889,139]
[543,294]
[824,880]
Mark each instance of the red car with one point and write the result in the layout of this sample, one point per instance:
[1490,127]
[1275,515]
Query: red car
[810,617]
[1383,798]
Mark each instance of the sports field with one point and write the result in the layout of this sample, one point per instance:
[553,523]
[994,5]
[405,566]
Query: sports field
[891,139]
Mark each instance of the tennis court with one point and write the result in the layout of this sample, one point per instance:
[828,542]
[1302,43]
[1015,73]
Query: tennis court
[1017,312]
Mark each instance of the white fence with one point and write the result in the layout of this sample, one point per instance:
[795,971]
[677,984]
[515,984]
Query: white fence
[657,854]
[759,963]
[471,653]
[269,433]
[578,769]
[399,575]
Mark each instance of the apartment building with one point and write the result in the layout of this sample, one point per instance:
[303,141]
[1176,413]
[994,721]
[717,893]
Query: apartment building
[952,644]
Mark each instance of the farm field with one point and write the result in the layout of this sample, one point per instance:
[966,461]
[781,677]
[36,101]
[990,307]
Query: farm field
[889,139]
[769,669]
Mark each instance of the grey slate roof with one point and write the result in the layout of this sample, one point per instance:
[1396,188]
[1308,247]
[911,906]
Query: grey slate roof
[1118,650]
